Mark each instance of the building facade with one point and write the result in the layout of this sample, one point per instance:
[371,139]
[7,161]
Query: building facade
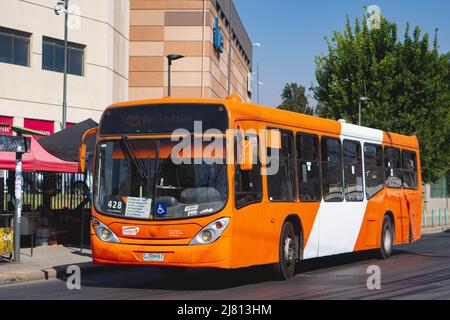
[199,30]
[32,61]
[116,52]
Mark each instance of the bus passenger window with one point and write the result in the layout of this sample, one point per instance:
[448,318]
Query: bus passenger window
[281,185]
[308,168]
[409,170]
[353,177]
[247,184]
[393,167]
[332,170]
[373,164]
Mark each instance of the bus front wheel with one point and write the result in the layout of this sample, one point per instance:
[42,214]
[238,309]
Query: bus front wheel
[288,249]
[387,239]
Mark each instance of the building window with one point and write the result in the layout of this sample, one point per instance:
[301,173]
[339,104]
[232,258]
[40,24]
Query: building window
[373,165]
[393,167]
[53,56]
[332,170]
[281,186]
[308,162]
[409,170]
[353,175]
[14,47]
[248,184]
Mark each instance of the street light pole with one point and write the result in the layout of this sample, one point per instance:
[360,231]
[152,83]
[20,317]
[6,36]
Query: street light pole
[359,113]
[170,58]
[66,19]
[60,8]
[361,99]
[230,46]
[258,82]
[18,185]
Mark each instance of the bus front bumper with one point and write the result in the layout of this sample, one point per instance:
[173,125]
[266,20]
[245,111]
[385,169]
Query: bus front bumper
[214,255]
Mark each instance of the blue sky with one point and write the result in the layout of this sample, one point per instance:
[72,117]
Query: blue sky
[292,33]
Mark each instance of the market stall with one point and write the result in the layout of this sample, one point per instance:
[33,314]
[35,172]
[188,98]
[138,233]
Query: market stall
[48,200]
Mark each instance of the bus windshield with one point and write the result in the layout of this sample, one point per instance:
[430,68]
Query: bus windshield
[126,183]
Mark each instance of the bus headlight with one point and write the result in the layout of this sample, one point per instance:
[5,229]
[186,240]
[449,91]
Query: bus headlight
[103,232]
[211,232]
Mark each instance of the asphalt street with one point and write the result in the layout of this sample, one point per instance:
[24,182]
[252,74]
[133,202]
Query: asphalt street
[417,271]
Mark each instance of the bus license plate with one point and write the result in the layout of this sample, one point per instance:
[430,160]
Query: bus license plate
[153,257]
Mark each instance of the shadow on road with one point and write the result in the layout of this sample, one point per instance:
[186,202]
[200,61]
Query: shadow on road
[211,279]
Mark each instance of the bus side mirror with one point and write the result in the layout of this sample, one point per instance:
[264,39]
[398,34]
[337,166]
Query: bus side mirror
[82,150]
[247,155]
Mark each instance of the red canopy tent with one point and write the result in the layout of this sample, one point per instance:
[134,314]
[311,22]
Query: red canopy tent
[38,159]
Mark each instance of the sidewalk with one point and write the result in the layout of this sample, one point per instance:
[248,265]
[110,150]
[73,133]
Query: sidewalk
[436,229]
[47,263]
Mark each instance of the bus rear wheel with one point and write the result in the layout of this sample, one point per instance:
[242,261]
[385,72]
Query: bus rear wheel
[387,239]
[288,250]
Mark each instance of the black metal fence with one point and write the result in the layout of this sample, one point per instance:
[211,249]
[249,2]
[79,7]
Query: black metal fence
[55,207]
[49,191]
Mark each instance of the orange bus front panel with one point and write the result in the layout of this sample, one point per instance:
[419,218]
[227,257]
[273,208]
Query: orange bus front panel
[214,255]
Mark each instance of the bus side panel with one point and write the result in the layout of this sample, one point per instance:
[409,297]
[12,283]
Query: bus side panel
[257,230]
[369,234]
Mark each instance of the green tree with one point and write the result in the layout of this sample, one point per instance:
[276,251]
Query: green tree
[294,99]
[407,82]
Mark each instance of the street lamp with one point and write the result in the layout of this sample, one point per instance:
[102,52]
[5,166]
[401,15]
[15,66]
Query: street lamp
[258,83]
[170,58]
[62,7]
[361,99]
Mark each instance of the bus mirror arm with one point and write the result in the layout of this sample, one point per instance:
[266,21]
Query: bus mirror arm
[82,150]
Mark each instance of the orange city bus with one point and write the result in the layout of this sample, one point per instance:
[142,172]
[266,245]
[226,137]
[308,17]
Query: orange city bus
[336,187]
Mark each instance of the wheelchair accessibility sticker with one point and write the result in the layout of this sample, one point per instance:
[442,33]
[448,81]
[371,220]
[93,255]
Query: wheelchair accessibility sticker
[161,209]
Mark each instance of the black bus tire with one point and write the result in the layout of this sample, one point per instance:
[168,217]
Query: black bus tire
[387,239]
[288,251]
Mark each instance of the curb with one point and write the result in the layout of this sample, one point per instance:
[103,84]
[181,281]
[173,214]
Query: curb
[435,229]
[58,272]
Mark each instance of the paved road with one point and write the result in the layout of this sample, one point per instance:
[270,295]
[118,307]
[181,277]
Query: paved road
[418,271]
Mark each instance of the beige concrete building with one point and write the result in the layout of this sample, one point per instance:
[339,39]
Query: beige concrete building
[31,58]
[117,52]
[159,28]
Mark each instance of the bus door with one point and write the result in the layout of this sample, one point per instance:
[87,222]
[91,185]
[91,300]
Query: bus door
[394,183]
[412,194]
[250,223]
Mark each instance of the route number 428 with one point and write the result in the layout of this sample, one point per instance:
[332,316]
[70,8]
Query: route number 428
[115,205]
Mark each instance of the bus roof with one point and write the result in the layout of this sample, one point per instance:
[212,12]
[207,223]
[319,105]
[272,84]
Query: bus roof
[239,110]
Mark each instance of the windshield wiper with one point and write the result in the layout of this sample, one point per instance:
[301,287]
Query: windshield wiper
[143,172]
